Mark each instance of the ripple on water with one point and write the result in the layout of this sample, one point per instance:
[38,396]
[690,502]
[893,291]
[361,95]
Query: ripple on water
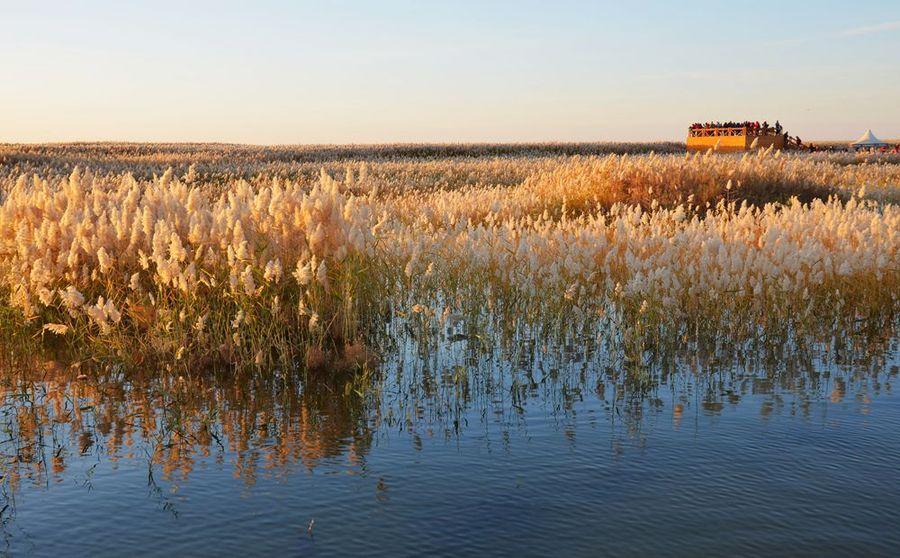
[583,465]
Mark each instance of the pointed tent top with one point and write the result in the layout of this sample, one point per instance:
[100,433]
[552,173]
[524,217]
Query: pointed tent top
[868,139]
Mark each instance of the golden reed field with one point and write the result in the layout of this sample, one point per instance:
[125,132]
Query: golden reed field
[220,255]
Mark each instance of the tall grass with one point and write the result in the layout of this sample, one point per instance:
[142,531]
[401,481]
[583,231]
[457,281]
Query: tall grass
[280,271]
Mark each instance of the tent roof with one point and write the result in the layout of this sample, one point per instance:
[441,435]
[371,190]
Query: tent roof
[868,139]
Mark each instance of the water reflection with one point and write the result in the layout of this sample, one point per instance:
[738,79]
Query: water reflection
[56,414]
[273,423]
[61,421]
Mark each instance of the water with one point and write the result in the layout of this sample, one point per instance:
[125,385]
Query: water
[465,454]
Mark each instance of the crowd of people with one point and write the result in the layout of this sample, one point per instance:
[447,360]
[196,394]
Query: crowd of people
[753,127]
[842,148]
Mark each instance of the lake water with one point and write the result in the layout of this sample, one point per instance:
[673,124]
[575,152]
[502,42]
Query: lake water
[466,454]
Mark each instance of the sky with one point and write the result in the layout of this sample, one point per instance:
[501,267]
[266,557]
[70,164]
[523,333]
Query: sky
[288,72]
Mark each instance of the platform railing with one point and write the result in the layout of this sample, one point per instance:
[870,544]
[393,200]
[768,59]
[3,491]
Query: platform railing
[726,132]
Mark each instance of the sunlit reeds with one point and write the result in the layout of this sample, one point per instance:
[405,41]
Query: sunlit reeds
[282,268]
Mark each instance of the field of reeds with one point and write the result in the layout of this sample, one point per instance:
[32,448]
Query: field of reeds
[237,256]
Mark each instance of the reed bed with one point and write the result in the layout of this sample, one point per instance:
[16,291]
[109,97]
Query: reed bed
[223,163]
[284,269]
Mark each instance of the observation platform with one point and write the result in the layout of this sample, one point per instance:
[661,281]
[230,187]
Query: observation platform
[733,139]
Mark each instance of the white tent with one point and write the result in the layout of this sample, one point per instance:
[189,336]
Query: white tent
[868,141]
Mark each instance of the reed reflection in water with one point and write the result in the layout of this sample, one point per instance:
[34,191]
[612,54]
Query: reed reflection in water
[427,433]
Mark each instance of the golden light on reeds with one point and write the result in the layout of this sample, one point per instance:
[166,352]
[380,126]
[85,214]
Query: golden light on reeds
[256,271]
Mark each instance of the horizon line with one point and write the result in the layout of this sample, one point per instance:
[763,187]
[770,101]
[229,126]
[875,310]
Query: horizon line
[369,143]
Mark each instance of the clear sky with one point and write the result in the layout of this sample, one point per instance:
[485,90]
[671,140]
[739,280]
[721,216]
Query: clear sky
[381,71]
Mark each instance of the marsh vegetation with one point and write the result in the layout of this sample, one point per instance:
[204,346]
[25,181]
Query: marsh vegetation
[215,323]
[209,268]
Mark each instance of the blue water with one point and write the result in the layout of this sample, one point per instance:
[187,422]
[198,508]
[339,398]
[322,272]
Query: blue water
[570,459]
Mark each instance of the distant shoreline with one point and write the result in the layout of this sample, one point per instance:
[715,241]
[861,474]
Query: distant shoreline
[425,145]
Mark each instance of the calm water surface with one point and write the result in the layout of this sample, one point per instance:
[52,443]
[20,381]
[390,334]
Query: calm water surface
[466,454]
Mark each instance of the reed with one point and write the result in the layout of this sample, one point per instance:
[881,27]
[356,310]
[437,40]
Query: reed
[280,268]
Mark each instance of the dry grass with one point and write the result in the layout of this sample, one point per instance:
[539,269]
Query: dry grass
[283,269]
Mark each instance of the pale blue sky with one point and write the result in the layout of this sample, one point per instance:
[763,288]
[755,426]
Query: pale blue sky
[341,71]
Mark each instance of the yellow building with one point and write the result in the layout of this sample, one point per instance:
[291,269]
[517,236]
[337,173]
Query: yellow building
[732,139]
